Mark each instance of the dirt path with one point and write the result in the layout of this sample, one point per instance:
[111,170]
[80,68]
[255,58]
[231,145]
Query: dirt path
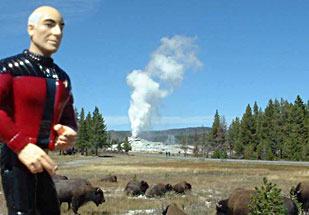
[197,159]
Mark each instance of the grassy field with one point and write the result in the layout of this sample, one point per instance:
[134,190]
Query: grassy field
[210,181]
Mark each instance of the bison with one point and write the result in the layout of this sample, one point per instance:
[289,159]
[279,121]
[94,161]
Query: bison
[182,187]
[85,194]
[302,194]
[172,209]
[236,204]
[290,206]
[158,190]
[135,188]
[240,199]
[109,178]
[78,192]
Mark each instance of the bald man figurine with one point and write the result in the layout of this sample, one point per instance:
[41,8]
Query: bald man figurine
[36,115]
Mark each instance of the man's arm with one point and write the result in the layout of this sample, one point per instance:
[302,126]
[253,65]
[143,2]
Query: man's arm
[9,133]
[32,156]
[67,127]
[68,117]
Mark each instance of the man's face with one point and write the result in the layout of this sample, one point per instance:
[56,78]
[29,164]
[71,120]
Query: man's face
[47,34]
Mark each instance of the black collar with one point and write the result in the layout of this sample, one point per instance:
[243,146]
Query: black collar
[46,61]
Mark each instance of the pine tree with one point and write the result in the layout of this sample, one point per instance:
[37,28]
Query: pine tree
[250,152]
[98,130]
[248,130]
[277,134]
[306,136]
[286,147]
[215,125]
[214,134]
[299,128]
[126,145]
[80,133]
[294,130]
[88,124]
[233,138]
[261,147]
[267,130]
[257,113]
[83,137]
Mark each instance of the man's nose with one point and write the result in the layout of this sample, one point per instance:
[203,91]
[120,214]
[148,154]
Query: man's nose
[57,30]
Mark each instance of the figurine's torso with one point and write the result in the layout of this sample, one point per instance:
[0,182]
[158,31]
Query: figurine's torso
[38,92]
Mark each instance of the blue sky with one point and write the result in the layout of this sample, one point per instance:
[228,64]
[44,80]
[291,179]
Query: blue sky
[251,50]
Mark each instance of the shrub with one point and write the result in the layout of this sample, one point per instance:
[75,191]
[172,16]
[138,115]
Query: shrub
[216,154]
[268,200]
[224,155]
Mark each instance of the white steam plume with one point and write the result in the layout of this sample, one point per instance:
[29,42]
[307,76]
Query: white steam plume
[167,65]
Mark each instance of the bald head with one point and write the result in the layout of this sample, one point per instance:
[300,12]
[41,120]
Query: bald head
[36,15]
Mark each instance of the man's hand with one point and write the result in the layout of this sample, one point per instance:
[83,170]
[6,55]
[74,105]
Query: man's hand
[66,137]
[36,159]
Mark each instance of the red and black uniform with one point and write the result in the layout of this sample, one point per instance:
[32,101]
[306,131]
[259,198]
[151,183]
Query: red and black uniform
[35,95]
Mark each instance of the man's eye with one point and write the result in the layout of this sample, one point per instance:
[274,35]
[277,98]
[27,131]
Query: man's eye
[49,25]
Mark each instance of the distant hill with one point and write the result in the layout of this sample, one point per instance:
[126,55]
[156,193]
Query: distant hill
[170,136]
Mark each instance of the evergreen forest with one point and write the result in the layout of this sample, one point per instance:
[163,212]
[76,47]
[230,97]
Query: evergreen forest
[278,132]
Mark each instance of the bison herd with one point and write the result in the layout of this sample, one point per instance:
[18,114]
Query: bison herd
[76,192]
[136,188]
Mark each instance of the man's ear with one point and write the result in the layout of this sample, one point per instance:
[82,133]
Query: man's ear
[30,29]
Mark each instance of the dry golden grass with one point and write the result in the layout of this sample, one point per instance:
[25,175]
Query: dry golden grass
[210,181]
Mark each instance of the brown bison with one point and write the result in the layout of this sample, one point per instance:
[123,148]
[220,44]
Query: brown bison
[182,187]
[237,203]
[109,178]
[158,190]
[85,194]
[136,188]
[172,209]
[78,192]
[302,194]
[240,199]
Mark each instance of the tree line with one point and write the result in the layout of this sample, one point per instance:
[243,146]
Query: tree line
[280,131]
[92,134]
